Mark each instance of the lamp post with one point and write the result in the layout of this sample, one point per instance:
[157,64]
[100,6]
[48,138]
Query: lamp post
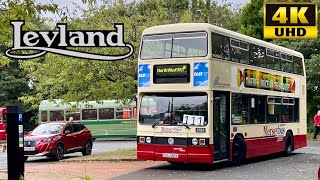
[198,11]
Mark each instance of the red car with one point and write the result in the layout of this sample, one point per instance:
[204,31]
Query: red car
[56,139]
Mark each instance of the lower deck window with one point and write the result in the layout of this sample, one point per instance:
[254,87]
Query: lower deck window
[89,114]
[44,117]
[57,115]
[254,109]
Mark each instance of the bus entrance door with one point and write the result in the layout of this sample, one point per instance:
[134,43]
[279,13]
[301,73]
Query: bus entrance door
[221,125]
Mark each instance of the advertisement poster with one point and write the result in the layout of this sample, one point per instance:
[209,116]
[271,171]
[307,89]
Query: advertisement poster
[200,74]
[248,78]
[144,75]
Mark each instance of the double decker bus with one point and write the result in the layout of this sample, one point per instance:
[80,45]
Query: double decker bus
[104,119]
[3,123]
[207,94]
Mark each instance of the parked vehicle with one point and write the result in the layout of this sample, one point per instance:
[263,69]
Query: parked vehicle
[56,139]
[3,124]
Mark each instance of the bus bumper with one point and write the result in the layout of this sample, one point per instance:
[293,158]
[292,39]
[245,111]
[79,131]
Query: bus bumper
[174,153]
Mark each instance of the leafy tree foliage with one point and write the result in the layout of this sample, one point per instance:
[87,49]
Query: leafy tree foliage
[251,19]
[71,79]
[17,10]
[13,81]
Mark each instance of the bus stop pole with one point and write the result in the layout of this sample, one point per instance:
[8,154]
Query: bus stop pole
[15,151]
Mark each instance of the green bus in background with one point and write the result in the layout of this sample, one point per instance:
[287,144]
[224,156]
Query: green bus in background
[106,119]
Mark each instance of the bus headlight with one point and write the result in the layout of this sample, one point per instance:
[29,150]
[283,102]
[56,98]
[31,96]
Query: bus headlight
[148,140]
[194,141]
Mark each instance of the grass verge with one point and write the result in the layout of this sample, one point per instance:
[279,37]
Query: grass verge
[128,154]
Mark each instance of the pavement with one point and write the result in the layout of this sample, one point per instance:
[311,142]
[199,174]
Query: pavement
[302,165]
[79,171]
[98,147]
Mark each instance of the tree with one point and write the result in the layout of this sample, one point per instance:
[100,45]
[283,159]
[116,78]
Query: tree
[17,10]
[251,19]
[71,79]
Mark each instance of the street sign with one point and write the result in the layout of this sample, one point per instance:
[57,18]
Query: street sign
[20,117]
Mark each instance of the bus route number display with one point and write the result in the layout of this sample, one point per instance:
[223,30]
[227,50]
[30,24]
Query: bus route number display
[193,120]
[171,73]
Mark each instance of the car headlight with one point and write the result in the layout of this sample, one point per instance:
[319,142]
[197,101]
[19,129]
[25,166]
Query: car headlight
[47,139]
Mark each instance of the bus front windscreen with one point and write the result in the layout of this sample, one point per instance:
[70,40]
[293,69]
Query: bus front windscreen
[174,109]
[176,45]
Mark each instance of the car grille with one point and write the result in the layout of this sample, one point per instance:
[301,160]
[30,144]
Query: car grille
[30,143]
[31,152]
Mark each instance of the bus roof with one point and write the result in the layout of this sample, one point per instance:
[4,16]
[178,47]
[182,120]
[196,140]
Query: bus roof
[59,104]
[188,27]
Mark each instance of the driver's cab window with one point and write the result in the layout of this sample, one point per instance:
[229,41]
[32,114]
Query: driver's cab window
[68,127]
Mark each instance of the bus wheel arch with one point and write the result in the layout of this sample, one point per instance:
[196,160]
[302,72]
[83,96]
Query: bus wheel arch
[239,150]
[289,143]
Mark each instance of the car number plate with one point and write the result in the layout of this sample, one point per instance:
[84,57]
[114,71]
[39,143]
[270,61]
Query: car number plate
[29,149]
[167,155]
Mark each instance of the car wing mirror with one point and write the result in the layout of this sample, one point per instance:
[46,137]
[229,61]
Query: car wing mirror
[66,132]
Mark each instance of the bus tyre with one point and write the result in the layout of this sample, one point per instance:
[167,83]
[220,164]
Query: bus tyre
[289,144]
[238,151]
[87,148]
[59,152]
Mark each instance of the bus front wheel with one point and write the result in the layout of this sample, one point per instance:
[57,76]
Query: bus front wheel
[238,151]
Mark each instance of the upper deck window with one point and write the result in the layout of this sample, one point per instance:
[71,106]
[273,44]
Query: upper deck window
[193,44]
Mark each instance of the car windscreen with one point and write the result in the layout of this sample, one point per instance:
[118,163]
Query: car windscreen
[44,129]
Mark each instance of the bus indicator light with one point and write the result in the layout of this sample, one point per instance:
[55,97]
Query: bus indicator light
[141,139]
[202,142]
[290,20]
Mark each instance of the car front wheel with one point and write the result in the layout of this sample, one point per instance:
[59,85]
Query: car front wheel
[59,153]
[87,148]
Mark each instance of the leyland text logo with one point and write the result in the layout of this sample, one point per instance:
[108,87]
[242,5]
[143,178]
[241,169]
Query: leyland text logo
[57,41]
[290,20]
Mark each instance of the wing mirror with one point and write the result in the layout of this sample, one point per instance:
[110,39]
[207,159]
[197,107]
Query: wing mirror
[66,132]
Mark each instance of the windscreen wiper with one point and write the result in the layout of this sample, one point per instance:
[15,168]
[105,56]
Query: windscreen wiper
[185,125]
[156,123]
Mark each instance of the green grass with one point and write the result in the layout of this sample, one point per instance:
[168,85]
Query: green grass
[120,154]
[310,136]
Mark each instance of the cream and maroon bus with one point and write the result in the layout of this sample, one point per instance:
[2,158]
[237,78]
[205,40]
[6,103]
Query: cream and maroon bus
[207,94]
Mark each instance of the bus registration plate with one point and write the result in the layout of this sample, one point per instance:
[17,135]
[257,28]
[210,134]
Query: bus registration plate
[169,155]
[29,148]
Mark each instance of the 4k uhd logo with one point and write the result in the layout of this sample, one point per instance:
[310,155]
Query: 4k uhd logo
[290,20]
[59,40]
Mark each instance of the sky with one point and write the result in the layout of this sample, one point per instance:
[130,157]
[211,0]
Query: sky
[72,4]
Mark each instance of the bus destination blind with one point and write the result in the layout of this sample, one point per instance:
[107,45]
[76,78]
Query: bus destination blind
[171,73]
